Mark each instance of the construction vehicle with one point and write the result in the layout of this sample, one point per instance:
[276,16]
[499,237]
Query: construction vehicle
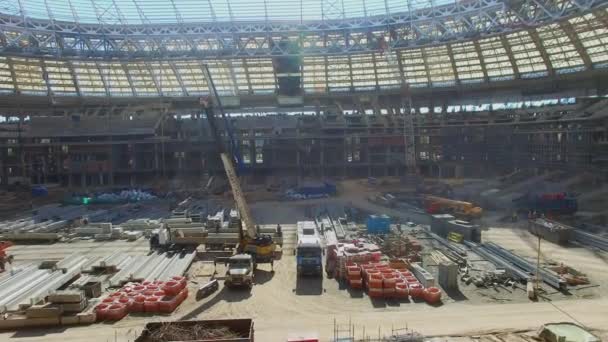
[309,259]
[559,203]
[260,247]
[240,271]
[462,210]
[4,257]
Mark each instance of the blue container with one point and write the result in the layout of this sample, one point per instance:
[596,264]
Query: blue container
[378,224]
[39,191]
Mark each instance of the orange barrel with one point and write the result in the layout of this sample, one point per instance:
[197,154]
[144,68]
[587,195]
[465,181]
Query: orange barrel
[116,312]
[432,295]
[374,292]
[388,292]
[406,274]
[137,305]
[159,293]
[116,294]
[401,290]
[376,256]
[138,288]
[183,294]
[146,283]
[158,282]
[172,287]
[416,290]
[411,280]
[101,311]
[151,304]
[374,275]
[356,283]
[399,281]
[133,294]
[126,301]
[108,300]
[374,283]
[389,282]
[127,289]
[181,280]
[371,273]
[148,293]
[152,287]
[167,304]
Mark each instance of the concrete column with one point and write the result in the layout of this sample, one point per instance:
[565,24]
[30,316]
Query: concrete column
[322,158]
[100,175]
[83,180]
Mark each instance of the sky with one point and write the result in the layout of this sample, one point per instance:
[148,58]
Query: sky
[164,11]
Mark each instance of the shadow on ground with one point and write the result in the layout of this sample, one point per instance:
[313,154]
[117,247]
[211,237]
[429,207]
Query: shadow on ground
[309,286]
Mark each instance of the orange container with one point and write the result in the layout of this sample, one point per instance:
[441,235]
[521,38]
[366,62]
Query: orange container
[389,283]
[116,312]
[151,304]
[388,292]
[401,290]
[137,305]
[101,310]
[172,287]
[108,300]
[416,290]
[406,274]
[411,280]
[183,294]
[375,292]
[139,288]
[181,280]
[432,295]
[167,304]
[126,301]
[374,283]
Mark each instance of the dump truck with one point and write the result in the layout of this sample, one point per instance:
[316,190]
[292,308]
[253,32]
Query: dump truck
[460,209]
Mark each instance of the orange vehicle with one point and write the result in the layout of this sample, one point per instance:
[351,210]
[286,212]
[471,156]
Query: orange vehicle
[460,209]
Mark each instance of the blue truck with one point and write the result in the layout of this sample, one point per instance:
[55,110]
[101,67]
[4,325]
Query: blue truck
[309,252]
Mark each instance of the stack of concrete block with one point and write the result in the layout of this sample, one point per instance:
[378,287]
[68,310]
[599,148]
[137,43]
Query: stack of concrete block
[93,229]
[47,310]
[448,275]
[423,276]
[132,235]
[71,301]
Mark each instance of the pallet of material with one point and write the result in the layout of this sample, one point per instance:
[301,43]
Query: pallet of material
[66,296]
[31,236]
[44,311]
[425,278]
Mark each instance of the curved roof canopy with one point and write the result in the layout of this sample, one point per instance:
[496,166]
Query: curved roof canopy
[175,11]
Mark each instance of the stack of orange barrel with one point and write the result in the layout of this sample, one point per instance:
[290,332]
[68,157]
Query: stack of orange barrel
[390,281]
[149,297]
[354,276]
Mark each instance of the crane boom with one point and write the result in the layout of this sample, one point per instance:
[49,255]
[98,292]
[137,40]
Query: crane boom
[239,198]
[227,160]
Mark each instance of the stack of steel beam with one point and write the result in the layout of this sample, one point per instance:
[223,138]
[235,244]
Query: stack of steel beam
[32,285]
[592,240]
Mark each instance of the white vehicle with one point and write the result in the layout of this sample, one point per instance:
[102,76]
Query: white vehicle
[309,252]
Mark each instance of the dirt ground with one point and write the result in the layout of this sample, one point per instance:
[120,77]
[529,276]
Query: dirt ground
[283,305]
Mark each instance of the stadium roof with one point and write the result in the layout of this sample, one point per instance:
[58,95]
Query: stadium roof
[174,11]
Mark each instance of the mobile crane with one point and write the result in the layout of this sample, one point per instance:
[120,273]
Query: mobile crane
[261,248]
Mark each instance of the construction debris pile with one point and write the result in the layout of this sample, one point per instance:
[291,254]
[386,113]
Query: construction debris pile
[149,297]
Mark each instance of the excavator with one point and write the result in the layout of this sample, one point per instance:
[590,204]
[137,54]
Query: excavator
[260,247]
